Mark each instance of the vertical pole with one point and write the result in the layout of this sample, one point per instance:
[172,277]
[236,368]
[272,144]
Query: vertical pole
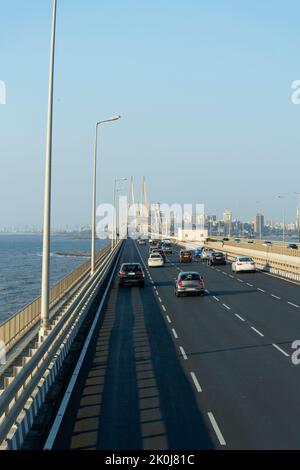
[47,190]
[94,202]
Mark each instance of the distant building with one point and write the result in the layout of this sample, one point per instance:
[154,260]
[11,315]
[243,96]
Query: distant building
[227,219]
[259,224]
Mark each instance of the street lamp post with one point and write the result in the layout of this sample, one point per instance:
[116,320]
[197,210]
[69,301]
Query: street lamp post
[115,212]
[283,219]
[47,190]
[298,217]
[113,118]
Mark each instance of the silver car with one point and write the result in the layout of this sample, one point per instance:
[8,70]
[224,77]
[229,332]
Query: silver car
[189,283]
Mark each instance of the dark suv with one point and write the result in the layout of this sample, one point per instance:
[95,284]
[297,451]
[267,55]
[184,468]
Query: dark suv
[185,256]
[216,257]
[131,273]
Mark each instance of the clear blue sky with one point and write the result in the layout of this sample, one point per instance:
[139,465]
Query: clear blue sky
[203,88]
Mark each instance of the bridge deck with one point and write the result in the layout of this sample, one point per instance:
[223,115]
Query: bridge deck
[190,373]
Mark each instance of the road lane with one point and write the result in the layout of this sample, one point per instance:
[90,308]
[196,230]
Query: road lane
[133,392]
[250,386]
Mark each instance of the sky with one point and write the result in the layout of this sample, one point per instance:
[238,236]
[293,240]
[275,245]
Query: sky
[203,88]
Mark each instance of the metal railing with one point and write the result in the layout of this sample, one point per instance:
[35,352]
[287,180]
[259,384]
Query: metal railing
[25,392]
[18,324]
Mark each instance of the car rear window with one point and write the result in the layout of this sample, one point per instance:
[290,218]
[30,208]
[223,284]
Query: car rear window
[131,267]
[190,277]
[156,256]
[186,253]
[245,260]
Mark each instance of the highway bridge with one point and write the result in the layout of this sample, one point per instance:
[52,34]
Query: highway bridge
[160,372]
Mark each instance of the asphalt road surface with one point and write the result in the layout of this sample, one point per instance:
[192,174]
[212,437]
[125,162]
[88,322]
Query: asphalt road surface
[212,372]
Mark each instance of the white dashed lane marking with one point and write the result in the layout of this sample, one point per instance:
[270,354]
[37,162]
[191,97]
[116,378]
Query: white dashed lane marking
[216,298]
[168,318]
[250,285]
[216,429]
[275,296]
[164,308]
[241,318]
[183,353]
[226,306]
[256,331]
[196,383]
[174,333]
[281,350]
[261,290]
[293,305]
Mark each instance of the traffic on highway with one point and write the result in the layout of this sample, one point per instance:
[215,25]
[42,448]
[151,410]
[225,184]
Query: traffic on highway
[195,357]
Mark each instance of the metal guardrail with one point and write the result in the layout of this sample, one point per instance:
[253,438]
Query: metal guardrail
[18,324]
[258,245]
[24,394]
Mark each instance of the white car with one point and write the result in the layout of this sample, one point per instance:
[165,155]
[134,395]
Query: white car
[155,260]
[243,263]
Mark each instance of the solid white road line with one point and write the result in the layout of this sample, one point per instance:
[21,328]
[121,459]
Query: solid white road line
[281,350]
[195,380]
[174,333]
[293,305]
[261,290]
[256,331]
[216,298]
[164,308]
[216,429]
[183,353]
[241,318]
[226,306]
[168,319]
[275,296]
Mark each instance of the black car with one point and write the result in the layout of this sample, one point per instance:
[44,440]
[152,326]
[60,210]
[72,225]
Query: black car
[216,257]
[292,246]
[131,273]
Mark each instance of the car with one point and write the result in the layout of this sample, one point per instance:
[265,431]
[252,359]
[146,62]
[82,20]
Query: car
[160,251]
[155,260]
[292,246]
[131,273]
[237,240]
[141,241]
[153,241]
[167,247]
[216,257]
[267,243]
[189,283]
[197,252]
[225,239]
[250,240]
[243,263]
[166,240]
[205,253]
[185,256]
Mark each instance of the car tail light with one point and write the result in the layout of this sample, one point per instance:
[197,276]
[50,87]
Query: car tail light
[200,282]
[213,257]
[239,264]
[139,273]
[180,283]
[122,273]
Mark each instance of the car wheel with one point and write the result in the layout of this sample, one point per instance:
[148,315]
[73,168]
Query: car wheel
[177,294]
